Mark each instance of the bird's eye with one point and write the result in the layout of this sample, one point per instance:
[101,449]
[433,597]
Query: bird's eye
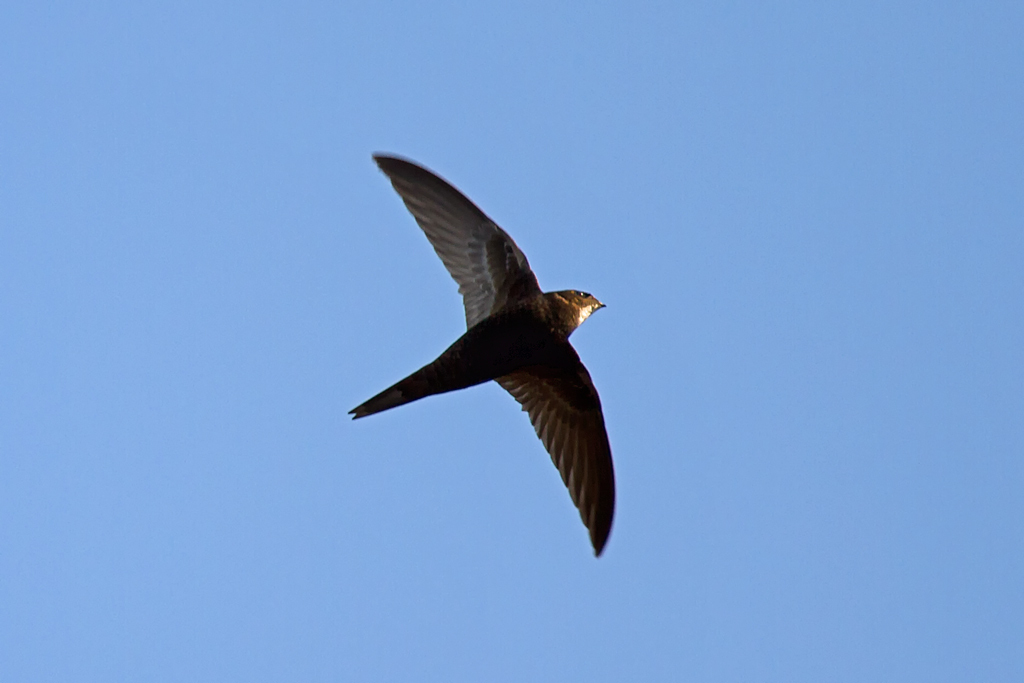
[585,295]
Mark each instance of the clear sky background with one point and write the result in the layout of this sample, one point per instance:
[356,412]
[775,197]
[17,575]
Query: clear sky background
[808,226]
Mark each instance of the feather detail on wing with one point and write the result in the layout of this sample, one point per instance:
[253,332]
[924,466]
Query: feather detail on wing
[487,265]
[566,413]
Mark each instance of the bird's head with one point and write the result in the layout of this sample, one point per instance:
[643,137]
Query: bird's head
[581,304]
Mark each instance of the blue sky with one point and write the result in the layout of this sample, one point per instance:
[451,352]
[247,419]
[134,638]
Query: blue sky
[807,223]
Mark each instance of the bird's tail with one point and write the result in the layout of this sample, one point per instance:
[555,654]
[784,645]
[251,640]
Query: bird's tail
[443,375]
[406,391]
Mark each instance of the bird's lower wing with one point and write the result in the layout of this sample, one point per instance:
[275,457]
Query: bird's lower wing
[566,413]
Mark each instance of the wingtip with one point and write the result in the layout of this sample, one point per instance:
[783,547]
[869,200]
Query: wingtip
[599,536]
[383,159]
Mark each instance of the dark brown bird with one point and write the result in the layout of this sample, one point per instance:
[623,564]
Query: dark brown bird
[518,336]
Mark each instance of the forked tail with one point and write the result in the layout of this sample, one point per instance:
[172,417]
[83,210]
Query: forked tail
[443,375]
[406,391]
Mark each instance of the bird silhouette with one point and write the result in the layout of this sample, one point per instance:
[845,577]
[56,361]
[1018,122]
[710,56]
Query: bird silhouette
[517,336]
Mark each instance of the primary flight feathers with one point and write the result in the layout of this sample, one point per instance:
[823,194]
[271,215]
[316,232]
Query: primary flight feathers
[517,335]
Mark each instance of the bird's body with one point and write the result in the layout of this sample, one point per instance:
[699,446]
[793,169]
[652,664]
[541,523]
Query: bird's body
[531,333]
[517,336]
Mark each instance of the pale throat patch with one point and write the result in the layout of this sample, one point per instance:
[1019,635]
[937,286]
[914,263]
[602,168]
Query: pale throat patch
[585,313]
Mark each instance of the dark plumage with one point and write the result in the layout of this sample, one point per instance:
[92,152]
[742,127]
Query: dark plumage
[517,336]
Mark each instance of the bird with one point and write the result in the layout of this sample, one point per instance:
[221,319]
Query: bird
[517,336]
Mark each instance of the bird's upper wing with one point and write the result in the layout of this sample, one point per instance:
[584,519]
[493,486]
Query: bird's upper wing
[566,412]
[487,265]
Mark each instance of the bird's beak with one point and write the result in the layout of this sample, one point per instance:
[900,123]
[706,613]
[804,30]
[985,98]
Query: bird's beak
[600,306]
